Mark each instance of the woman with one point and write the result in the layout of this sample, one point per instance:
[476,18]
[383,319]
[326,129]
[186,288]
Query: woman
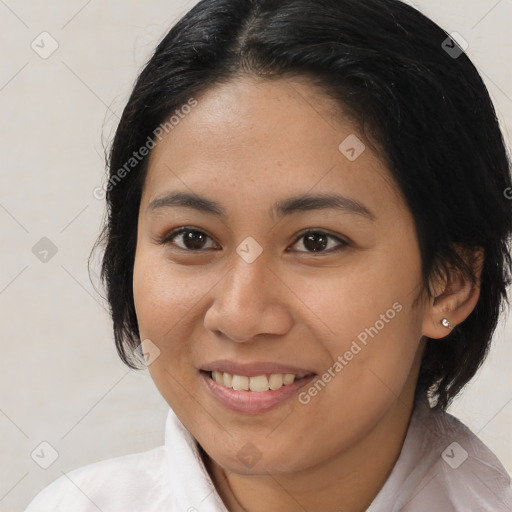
[307,228]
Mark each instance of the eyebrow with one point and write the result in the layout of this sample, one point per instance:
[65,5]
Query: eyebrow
[282,207]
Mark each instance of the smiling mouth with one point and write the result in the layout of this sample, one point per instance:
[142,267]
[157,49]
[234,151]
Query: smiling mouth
[258,383]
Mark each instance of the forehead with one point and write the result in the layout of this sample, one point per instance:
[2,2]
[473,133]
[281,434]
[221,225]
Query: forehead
[267,134]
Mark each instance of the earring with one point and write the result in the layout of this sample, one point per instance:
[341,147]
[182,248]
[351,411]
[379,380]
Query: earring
[446,323]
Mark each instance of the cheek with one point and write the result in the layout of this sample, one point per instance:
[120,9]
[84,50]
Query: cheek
[164,299]
[162,295]
[369,327]
[363,294]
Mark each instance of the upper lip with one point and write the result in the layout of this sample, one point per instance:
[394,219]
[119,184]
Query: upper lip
[253,369]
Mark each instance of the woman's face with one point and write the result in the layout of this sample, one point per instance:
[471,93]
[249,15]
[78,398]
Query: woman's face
[277,277]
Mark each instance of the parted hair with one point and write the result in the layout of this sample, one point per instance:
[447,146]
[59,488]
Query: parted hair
[410,89]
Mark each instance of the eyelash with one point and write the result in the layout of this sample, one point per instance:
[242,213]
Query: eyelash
[167,240]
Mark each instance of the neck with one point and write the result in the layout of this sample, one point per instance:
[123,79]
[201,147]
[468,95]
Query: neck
[350,479]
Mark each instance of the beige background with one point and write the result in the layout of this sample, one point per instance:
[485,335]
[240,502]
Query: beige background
[61,379]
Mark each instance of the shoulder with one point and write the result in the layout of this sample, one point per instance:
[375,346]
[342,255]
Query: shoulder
[457,468]
[113,484]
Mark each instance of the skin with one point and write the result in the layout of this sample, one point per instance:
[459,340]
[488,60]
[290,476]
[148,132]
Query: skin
[247,144]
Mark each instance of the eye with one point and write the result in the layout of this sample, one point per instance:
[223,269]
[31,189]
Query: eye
[191,239]
[318,241]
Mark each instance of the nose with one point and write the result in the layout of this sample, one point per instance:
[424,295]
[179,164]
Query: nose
[250,300]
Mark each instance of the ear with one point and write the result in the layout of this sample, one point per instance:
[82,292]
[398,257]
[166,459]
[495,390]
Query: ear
[455,296]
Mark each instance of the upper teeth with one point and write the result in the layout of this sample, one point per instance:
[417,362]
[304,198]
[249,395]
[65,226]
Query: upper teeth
[258,383]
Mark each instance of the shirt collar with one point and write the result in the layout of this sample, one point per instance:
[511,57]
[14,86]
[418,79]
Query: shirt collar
[188,474]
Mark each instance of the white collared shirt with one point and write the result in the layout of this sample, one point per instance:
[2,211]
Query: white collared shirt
[443,467]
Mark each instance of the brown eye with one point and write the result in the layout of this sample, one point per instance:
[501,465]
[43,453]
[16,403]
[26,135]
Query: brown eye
[195,240]
[318,241]
[191,239]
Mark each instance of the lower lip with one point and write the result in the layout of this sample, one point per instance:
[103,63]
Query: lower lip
[252,402]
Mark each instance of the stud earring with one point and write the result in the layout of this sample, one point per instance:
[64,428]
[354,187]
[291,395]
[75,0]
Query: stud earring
[446,323]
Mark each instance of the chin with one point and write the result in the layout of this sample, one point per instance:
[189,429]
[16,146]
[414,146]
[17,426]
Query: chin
[250,461]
